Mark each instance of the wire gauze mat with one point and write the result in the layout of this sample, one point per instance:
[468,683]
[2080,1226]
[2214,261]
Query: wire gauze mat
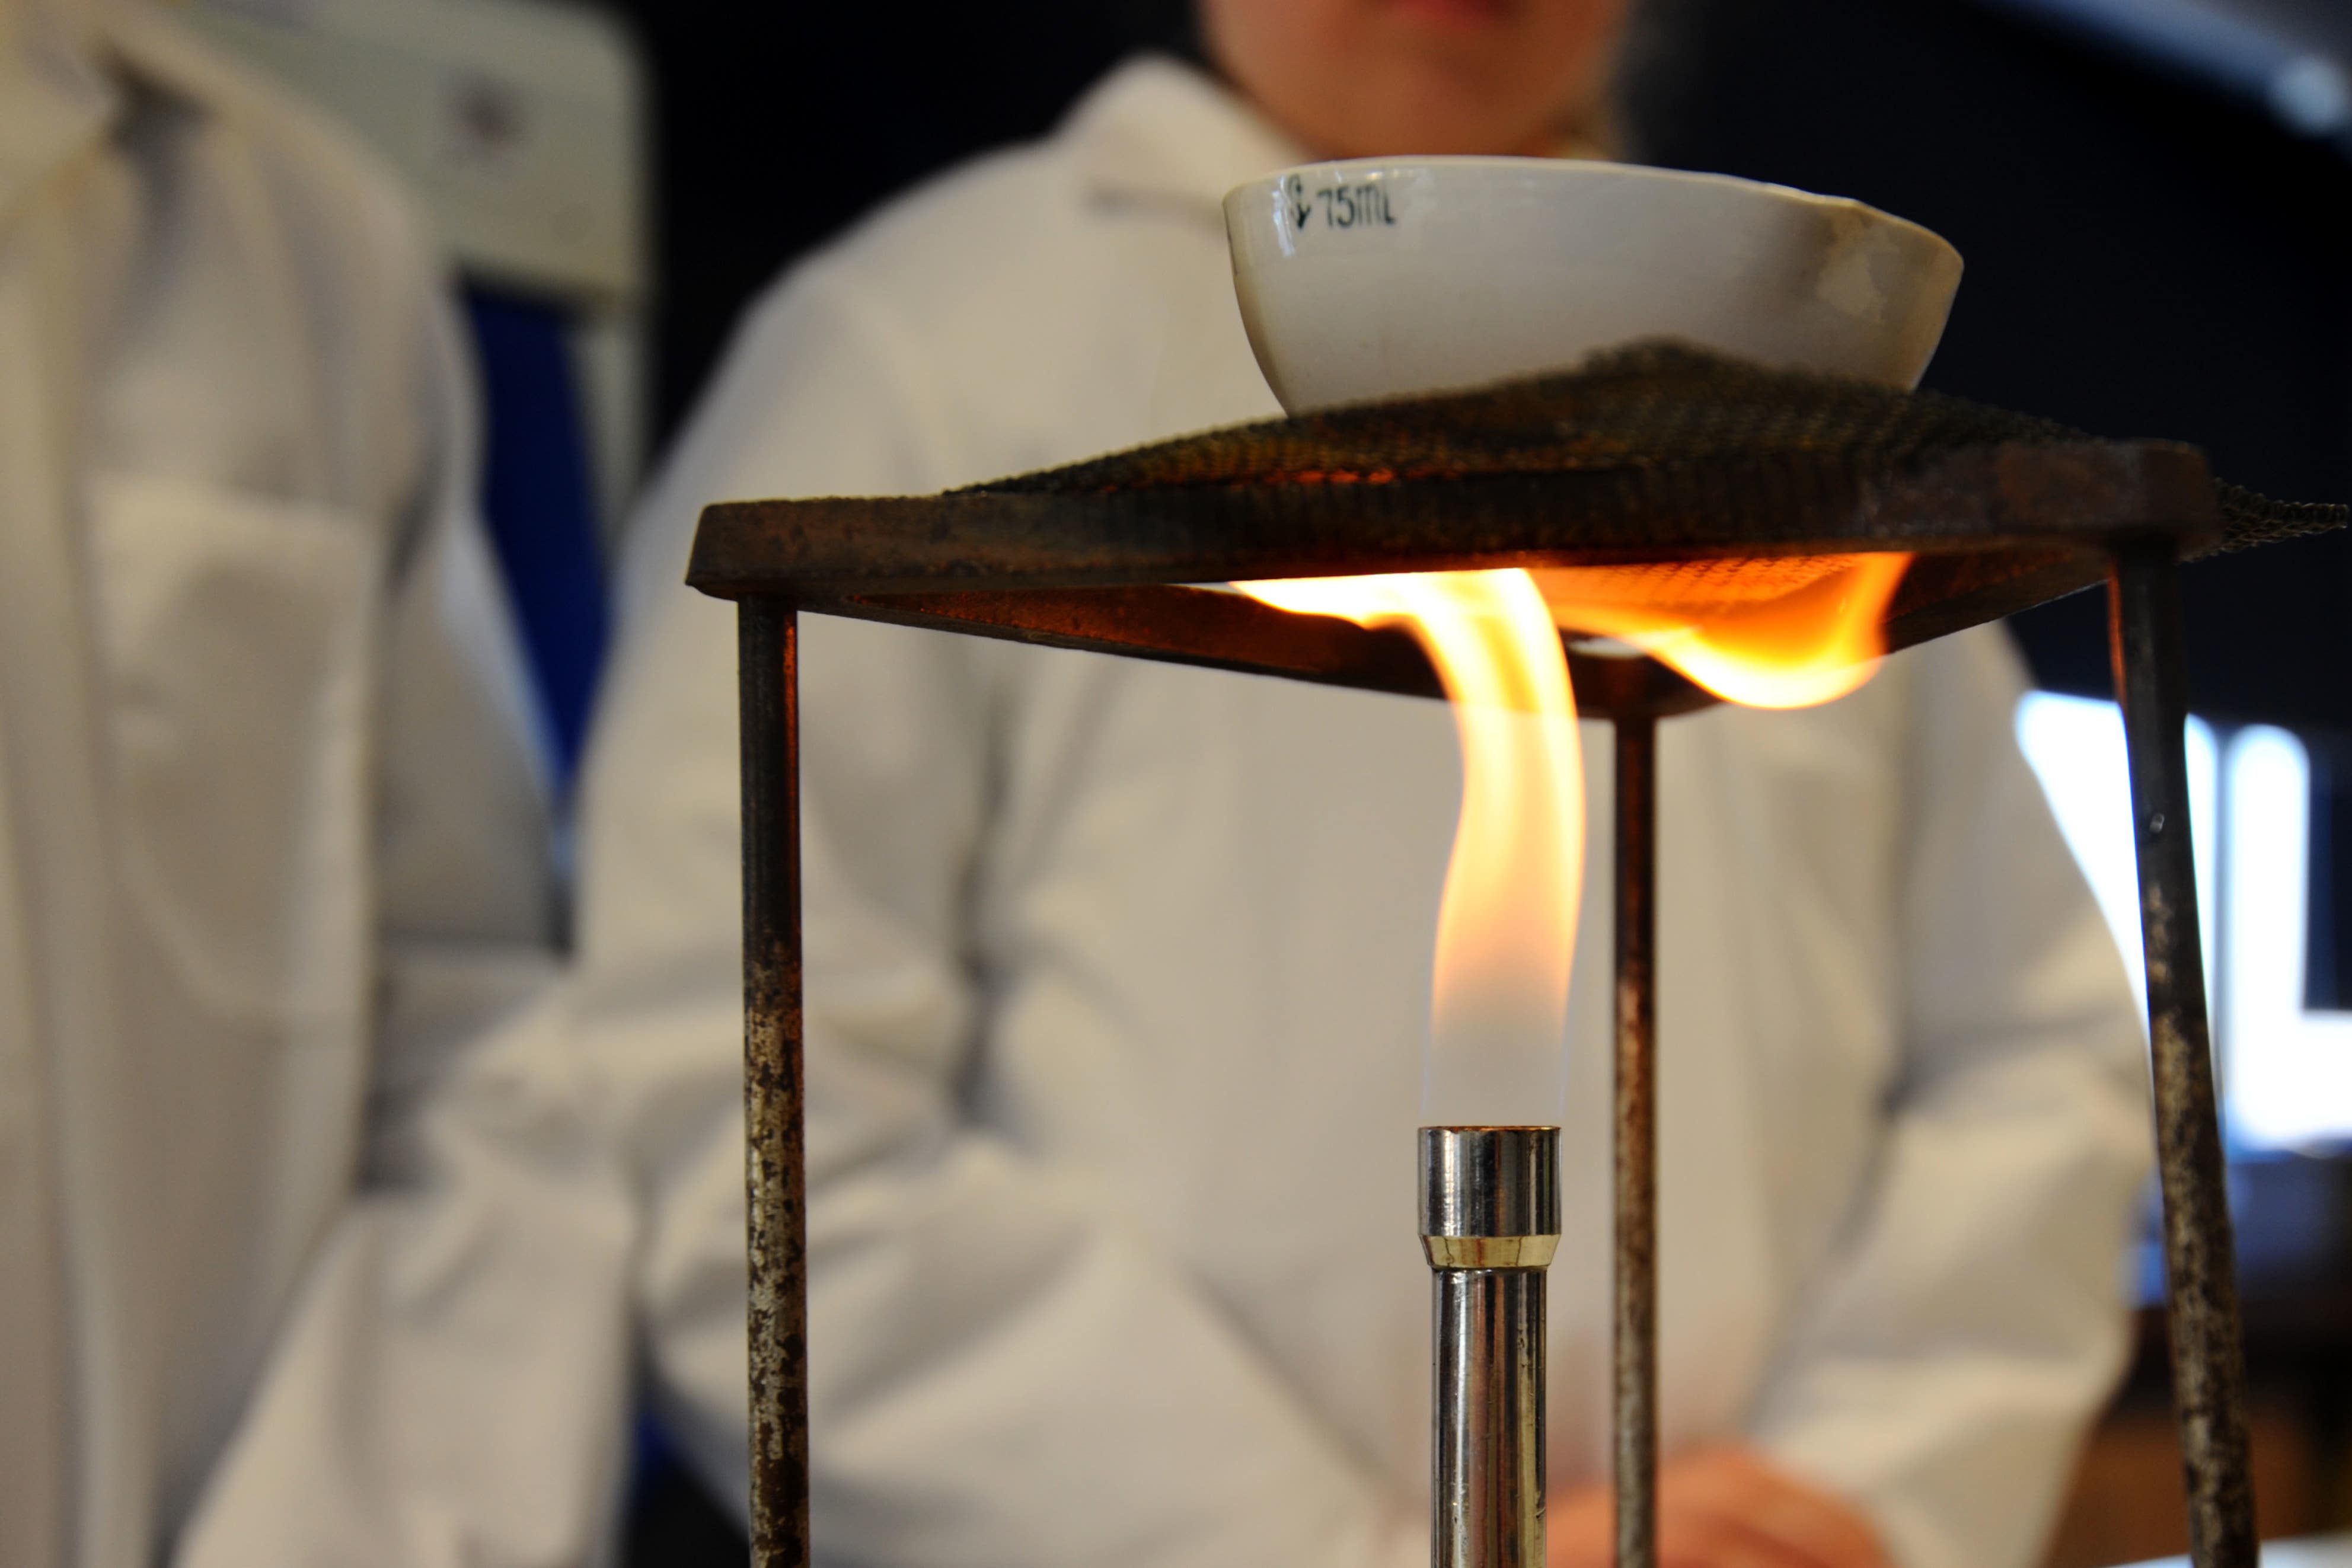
[1654,406]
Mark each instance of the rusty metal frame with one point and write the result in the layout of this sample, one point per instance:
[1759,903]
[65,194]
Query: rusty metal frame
[2209,1372]
[774,1153]
[2001,529]
[1633,1426]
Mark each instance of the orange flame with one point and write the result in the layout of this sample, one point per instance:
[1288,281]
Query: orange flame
[1506,922]
[1767,634]
[1776,634]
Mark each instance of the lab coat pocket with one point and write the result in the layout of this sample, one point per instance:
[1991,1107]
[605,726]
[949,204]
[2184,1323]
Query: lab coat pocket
[235,633]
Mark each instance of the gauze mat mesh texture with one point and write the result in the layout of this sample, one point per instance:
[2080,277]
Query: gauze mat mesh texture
[1651,406]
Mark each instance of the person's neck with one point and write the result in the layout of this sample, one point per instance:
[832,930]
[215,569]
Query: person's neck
[1593,134]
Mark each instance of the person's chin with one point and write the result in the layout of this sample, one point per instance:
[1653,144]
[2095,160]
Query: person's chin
[1455,15]
[1430,104]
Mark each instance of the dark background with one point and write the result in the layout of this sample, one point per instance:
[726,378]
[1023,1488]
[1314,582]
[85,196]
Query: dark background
[777,125]
[2146,258]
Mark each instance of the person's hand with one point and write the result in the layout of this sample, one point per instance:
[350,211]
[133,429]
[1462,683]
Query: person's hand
[1722,1508]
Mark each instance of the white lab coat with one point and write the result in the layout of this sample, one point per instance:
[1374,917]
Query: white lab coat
[1118,975]
[272,842]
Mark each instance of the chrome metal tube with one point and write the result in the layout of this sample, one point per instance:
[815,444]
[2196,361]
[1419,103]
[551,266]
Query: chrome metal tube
[1489,1224]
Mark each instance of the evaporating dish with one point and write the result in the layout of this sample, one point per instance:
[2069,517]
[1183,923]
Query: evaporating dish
[1389,276]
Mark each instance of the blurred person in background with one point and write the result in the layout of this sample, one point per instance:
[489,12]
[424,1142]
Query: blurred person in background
[272,843]
[1100,953]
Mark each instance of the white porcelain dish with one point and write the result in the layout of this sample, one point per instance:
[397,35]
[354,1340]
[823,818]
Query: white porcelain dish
[1385,278]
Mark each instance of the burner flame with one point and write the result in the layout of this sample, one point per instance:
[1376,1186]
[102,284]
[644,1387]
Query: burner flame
[1506,922]
[1814,631]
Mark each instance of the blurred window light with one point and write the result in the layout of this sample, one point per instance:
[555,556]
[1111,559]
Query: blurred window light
[2223,47]
[2313,95]
[2287,1070]
[2076,746]
[2290,1068]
